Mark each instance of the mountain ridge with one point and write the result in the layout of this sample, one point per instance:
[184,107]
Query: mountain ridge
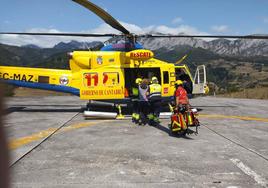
[225,47]
[240,47]
[227,72]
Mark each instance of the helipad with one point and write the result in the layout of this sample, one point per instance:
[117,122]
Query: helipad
[52,145]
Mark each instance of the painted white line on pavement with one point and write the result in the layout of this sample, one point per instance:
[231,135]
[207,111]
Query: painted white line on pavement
[260,180]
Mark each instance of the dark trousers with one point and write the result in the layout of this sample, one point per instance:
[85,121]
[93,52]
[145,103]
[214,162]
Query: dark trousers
[135,106]
[144,110]
[155,107]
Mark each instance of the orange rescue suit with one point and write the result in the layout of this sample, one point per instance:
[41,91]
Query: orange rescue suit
[181,96]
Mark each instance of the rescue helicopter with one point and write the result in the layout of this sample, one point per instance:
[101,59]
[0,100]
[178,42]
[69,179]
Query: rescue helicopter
[109,74]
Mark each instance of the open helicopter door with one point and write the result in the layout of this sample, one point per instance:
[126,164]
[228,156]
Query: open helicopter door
[200,80]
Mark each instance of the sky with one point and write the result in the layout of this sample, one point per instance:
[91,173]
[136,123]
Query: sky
[221,17]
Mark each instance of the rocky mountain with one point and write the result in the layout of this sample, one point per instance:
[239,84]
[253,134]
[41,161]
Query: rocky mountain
[223,47]
[31,46]
[231,65]
[243,47]
[25,55]
[74,45]
[34,56]
[239,47]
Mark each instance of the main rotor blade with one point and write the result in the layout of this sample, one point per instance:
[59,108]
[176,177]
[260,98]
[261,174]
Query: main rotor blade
[60,34]
[103,15]
[206,36]
[139,36]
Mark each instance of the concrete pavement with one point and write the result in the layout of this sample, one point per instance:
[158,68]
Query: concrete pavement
[230,150]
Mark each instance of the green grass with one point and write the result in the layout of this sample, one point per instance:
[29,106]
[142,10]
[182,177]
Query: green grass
[253,93]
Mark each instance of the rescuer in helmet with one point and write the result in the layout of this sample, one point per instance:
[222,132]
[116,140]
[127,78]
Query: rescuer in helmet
[181,98]
[143,101]
[154,101]
[135,101]
[178,121]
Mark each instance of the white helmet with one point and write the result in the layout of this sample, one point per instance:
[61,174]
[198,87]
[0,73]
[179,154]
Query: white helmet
[154,80]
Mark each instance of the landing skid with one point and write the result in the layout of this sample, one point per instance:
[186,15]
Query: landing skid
[89,113]
[95,114]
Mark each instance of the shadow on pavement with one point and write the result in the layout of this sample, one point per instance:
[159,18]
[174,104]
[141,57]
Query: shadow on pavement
[25,109]
[167,130]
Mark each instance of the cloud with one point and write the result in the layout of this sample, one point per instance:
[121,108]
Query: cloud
[185,29]
[220,28]
[102,29]
[177,20]
[105,28]
[46,41]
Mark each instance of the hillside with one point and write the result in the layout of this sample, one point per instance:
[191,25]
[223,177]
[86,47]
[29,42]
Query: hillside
[253,93]
[26,56]
[223,47]
[227,73]
[34,56]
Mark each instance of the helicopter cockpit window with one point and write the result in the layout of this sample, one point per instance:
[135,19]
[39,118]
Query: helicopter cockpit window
[166,78]
[43,79]
[110,78]
[179,73]
[182,75]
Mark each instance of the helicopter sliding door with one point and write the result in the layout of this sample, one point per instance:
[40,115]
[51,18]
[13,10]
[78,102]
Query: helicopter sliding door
[168,81]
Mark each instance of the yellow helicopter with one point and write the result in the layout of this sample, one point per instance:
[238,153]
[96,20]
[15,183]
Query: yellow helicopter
[109,74]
